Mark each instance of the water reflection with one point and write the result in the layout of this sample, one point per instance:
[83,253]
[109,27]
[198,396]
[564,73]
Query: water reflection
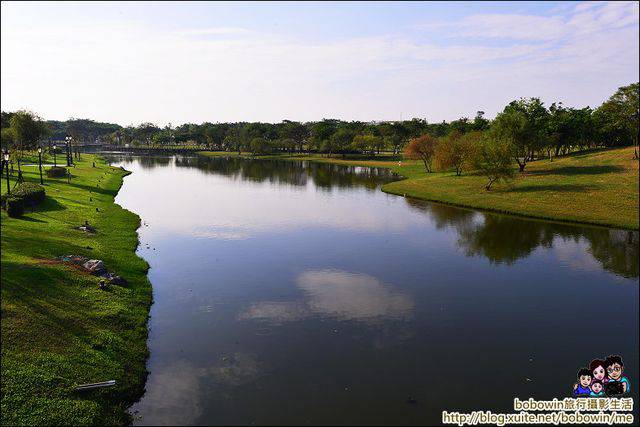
[339,294]
[352,296]
[498,238]
[176,392]
[276,312]
[205,199]
[506,239]
[292,283]
[295,173]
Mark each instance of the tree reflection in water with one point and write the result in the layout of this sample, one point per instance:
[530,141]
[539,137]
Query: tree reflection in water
[499,238]
[506,239]
[296,173]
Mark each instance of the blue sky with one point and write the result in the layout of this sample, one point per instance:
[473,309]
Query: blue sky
[194,62]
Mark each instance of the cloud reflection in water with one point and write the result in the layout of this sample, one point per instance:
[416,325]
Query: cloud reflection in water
[339,294]
[177,392]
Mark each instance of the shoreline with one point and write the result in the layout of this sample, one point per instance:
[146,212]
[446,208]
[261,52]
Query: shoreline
[141,386]
[59,329]
[413,175]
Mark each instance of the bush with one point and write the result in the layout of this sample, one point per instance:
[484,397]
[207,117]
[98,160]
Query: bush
[24,194]
[30,193]
[14,206]
[57,172]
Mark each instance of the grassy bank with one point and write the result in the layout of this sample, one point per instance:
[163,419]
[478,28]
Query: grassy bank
[599,187]
[58,328]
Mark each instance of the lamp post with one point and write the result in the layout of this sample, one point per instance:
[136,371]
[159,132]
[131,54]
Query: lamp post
[68,139]
[40,163]
[6,162]
[55,163]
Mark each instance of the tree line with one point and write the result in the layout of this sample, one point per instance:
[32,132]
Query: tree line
[525,130]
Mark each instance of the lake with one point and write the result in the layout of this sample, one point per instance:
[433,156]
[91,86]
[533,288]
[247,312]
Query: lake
[299,293]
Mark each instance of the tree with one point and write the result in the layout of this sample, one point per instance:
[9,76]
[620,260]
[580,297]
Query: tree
[378,143]
[422,148]
[394,135]
[618,118]
[214,134]
[456,150]
[523,123]
[493,159]
[144,132]
[415,127]
[366,142]
[568,127]
[479,122]
[288,144]
[258,145]
[163,137]
[461,125]
[7,138]
[295,131]
[27,128]
[322,131]
[339,141]
[5,117]
[236,138]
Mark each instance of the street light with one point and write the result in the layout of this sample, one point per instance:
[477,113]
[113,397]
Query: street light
[68,139]
[55,163]
[6,162]
[40,163]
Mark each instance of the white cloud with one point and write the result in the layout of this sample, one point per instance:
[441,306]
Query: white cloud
[585,18]
[526,27]
[131,72]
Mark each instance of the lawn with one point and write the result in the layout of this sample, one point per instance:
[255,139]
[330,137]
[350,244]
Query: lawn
[596,187]
[58,328]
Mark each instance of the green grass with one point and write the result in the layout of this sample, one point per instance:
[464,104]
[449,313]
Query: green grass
[598,187]
[58,328]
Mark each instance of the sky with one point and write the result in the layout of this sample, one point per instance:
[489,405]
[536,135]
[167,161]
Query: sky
[165,62]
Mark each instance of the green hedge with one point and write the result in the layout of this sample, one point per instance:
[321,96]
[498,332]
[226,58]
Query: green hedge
[24,194]
[14,206]
[56,172]
[31,193]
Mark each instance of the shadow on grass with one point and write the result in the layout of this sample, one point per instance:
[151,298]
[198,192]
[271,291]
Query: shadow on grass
[50,204]
[578,170]
[94,189]
[43,248]
[28,219]
[562,188]
[50,295]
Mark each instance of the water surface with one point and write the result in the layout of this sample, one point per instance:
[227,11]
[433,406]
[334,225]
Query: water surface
[299,293]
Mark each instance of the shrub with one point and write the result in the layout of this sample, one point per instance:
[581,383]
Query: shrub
[14,206]
[24,194]
[57,172]
[30,193]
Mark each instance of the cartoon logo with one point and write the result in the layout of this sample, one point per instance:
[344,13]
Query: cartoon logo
[602,378]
